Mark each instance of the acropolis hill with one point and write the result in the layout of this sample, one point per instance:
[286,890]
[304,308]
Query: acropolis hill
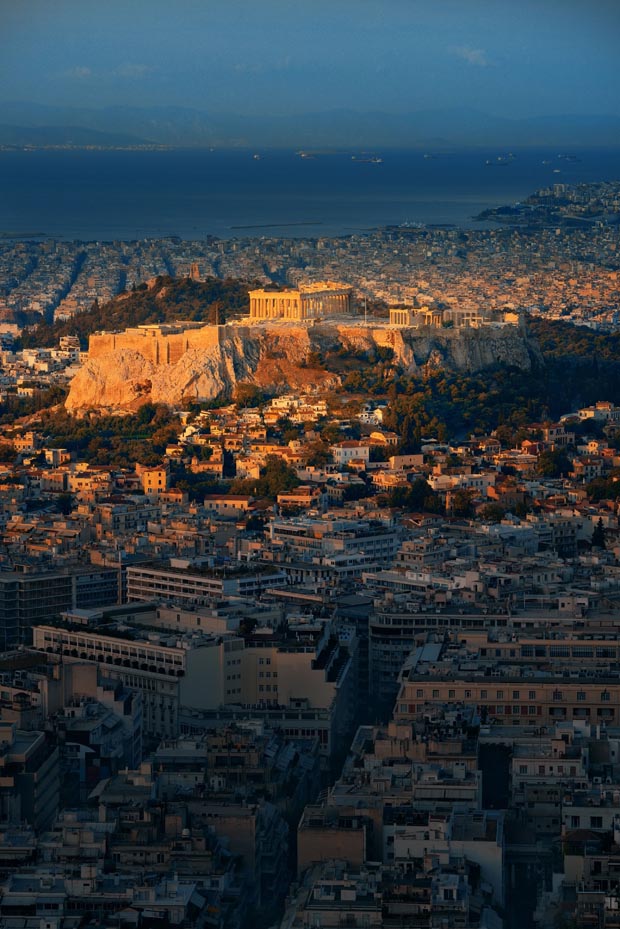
[282,345]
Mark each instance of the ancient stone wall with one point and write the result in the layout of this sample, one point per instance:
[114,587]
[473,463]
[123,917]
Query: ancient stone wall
[160,348]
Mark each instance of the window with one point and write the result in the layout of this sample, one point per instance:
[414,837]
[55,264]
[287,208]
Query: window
[557,694]
[581,652]
[596,822]
[532,695]
[419,692]
[451,694]
[522,769]
[516,695]
[483,694]
[581,695]
[500,695]
[606,653]
[436,694]
[467,694]
[575,822]
[605,696]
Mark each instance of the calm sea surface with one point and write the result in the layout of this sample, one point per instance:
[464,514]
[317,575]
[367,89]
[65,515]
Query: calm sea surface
[192,194]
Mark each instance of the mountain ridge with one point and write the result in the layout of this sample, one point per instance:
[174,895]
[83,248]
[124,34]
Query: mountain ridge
[190,127]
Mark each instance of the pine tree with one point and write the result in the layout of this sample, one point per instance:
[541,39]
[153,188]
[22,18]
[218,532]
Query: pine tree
[598,536]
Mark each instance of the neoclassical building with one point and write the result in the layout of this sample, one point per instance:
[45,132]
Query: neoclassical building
[310,301]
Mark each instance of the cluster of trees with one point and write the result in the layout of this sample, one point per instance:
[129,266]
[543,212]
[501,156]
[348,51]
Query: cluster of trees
[445,405]
[580,367]
[14,407]
[348,362]
[275,477]
[210,301]
[7,453]
[554,463]
[195,485]
[114,441]
[604,488]
[417,497]
[249,395]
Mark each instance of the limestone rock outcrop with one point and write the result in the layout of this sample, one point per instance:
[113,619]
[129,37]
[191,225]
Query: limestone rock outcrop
[125,370]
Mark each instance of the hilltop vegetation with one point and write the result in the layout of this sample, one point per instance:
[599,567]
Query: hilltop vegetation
[166,300]
[113,441]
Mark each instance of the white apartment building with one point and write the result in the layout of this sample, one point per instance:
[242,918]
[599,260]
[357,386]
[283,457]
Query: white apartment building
[180,582]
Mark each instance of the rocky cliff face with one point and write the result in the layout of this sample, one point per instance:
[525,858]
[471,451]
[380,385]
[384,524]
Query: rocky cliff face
[277,358]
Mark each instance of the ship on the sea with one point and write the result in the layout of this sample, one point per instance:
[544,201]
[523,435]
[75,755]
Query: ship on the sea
[367,159]
[500,160]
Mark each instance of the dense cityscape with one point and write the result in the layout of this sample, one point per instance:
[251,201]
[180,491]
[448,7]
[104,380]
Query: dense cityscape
[309,464]
[342,654]
[563,264]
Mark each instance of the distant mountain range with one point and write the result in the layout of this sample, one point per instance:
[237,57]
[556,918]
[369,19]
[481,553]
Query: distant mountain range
[37,124]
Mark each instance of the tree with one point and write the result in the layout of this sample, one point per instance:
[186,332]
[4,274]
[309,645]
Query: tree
[317,454]
[7,453]
[277,477]
[493,512]
[598,536]
[64,503]
[247,394]
[255,523]
[331,433]
[417,496]
[462,503]
[553,463]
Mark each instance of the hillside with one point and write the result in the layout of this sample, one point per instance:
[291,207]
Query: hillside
[165,300]
[207,363]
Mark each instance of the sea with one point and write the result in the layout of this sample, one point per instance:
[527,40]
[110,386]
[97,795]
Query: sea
[192,194]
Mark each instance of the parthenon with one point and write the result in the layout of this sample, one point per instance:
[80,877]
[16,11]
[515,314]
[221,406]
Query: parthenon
[310,301]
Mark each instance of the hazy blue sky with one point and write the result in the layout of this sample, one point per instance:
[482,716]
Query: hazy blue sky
[506,57]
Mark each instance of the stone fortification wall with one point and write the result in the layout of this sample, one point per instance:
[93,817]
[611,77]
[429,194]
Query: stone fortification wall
[158,347]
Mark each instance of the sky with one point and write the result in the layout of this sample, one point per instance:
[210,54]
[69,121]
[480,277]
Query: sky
[517,58]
